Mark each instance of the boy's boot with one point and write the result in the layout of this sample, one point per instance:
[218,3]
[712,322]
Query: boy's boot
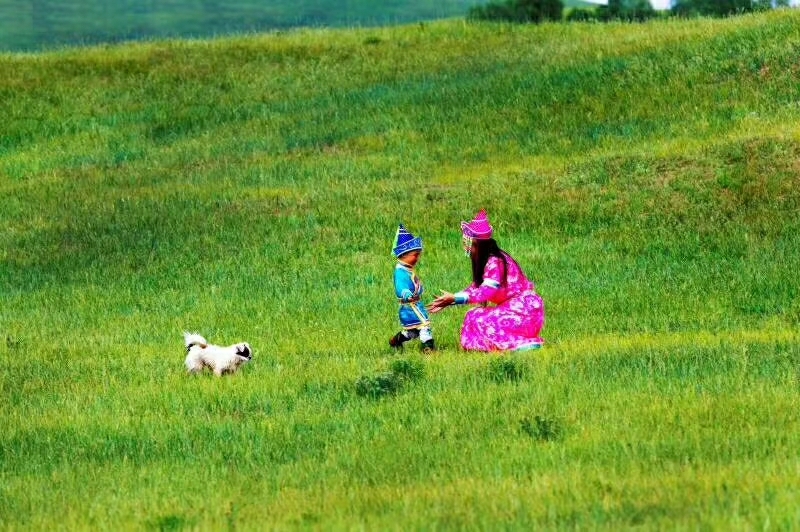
[397,340]
[428,346]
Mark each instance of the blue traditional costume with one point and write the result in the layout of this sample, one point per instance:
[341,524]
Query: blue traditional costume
[409,289]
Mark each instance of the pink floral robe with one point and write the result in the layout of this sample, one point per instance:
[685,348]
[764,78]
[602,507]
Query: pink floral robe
[510,317]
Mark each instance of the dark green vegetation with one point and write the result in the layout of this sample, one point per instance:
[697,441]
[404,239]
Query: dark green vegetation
[723,8]
[36,24]
[537,11]
[524,11]
[645,176]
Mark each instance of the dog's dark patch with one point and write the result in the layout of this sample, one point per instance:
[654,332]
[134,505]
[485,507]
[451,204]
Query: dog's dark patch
[243,351]
[198,344]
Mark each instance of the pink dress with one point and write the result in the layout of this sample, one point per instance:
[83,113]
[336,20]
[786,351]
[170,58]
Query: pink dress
[510,316]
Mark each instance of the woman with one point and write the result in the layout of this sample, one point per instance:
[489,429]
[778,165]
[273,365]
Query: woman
[514,321]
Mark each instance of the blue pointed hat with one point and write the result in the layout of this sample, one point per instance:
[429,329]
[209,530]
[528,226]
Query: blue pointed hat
[404,241]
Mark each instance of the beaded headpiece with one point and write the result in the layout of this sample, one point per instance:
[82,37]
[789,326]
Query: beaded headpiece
[479,228]
[404,242]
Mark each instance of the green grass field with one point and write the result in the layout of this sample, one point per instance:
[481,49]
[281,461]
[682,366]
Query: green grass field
[39,24]
[645,176]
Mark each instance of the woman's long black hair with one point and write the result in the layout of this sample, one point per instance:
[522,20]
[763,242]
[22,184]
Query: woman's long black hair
[485,249]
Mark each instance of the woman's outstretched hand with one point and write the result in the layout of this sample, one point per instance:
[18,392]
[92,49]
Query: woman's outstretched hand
[440,303]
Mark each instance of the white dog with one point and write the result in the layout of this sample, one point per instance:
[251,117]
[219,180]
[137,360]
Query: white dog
[200,354]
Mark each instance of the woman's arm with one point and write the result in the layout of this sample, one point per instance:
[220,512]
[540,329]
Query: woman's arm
[492,278]
[442,302]
[492,281]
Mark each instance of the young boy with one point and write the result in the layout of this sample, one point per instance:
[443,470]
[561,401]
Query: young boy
[408,289]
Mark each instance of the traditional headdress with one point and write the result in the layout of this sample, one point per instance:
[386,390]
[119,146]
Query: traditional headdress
[404,242]
[478,229]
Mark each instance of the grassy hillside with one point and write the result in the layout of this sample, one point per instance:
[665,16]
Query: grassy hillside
[645,177]
[38,24]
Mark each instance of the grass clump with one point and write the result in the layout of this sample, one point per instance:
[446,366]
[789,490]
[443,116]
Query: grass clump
[401,373]
[380,385]
[507,369]
[542,428]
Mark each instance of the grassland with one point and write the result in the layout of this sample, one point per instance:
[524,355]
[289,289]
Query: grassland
[41,24]
[38,25]
[645,176]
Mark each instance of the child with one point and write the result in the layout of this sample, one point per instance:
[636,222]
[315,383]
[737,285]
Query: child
[408,288]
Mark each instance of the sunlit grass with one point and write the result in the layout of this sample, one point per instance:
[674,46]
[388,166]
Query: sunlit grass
[644,176]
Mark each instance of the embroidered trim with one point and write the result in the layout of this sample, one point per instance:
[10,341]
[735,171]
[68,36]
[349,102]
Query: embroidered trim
[490,283]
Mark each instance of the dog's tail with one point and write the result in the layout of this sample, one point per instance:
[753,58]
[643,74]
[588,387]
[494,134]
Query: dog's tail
[194,339]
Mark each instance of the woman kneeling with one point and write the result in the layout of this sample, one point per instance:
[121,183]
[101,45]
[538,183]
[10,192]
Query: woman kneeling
[510,314]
